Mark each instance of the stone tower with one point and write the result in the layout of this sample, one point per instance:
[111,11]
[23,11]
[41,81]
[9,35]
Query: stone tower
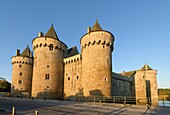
[151,84]
[97,47]
[22,67]
[48,72]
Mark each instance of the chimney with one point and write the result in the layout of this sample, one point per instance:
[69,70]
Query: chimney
[17,52]
[40,34]
[89,29]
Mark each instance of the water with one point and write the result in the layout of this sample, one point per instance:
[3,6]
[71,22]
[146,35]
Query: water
[164,103]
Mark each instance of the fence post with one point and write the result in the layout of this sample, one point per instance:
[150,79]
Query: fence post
[99,102]
[114,99]
[124,101]
[163,102]
[13,110]
[146,106]
[149,101]
[94,99]
[104,99]
[36,113]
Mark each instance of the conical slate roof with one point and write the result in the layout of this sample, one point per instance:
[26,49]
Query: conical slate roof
[26,52]
[96,26]
[146,67]
[51,33]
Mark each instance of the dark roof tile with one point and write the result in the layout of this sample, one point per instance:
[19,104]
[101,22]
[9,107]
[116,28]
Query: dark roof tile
[51,33]
[96,26]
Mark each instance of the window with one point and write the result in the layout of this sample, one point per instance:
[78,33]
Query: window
[47,76]
[77,77]
[19,81]
[47,66]
[68,78]
[20,74]
[20,66]
[105,79]
[51,47]
[48,87]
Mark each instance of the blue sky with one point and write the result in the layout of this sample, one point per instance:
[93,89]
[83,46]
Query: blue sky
[141,29]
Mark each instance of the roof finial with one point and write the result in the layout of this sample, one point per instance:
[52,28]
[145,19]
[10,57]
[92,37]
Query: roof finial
[27,46]
[52,24]
[96,20]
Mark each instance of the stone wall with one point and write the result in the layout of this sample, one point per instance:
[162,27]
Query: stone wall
[73,76]
[140,87]
[121,85]
[153,87]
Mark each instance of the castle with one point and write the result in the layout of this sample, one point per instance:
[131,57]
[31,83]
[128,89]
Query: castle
[58,72]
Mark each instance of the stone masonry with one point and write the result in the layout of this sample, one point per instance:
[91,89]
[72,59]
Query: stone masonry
[56,71]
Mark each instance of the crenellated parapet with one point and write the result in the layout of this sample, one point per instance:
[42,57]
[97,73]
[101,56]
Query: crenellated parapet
[72,59]
[43,42]
[22,60]
[103,38]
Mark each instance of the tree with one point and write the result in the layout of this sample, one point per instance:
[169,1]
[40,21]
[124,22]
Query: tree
[5,86]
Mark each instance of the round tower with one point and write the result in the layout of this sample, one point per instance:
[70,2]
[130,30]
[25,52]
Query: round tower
[22,67]
[48,72]
[97,47]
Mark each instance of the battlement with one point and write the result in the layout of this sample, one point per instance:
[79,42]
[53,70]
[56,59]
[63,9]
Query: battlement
[22,60]
[103,38]
[99,42]
[49,42]
[72,59]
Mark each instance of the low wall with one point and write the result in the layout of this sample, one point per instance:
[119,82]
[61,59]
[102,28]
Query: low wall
[5,94]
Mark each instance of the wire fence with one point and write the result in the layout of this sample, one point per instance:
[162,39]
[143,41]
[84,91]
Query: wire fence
[112,99]
[100,99]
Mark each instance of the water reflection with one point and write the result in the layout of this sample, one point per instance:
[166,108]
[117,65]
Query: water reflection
[163,103]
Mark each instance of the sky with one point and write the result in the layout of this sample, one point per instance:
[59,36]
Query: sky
[141,29]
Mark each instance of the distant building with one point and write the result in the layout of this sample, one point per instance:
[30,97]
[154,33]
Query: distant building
[58,72]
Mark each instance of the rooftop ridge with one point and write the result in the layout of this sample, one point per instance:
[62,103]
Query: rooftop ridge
[51,33]
[96,26]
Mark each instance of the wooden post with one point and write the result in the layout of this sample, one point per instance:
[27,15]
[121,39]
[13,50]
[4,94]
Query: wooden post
[13,110]
[36,113]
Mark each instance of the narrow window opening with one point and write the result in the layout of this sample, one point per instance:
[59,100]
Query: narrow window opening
[47,76]
[20,66]
[68,78]
[48,86]
[19,81]
[20,74]
[47,66]
[51,47]
[77,77]
[105,79]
